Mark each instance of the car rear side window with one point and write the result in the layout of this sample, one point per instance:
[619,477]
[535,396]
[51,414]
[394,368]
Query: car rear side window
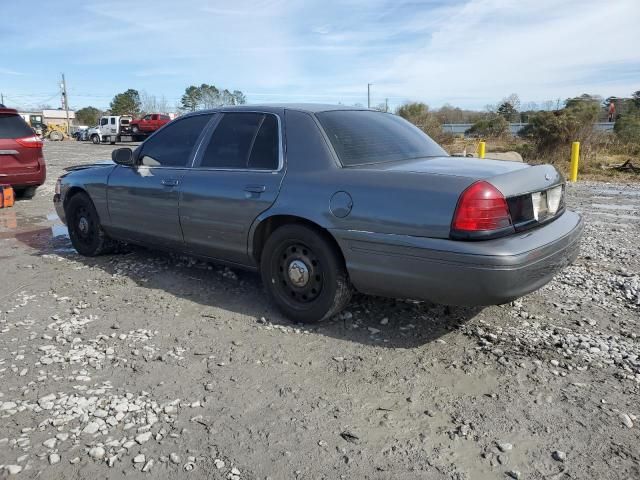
[172,146]
[244,140]
[13,126]
[264,154]
[362,137]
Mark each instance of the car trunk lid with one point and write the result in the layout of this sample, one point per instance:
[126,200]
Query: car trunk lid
[534,193]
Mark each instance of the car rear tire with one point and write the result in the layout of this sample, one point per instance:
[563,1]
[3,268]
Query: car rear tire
[85,231]
[26,193]
[95,139]
[304,274]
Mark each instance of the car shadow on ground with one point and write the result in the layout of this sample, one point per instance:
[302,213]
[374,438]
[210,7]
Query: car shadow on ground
[377,321]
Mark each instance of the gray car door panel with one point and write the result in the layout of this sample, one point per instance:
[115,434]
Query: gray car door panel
[217,209]
[143,203]
[143,200]
[219,205]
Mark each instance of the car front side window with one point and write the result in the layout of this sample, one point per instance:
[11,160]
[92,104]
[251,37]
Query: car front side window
[172,146]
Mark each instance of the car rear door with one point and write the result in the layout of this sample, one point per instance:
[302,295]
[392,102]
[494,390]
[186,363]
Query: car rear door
[15,158]
[143,200]
[236,176]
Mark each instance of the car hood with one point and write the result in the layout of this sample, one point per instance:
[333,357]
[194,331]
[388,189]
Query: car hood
[476,168]
[98,164]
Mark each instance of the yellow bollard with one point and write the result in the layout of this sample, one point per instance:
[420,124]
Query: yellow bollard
[575,156]
[481,149]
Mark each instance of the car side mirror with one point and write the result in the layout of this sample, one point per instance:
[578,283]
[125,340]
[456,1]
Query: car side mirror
[123,156]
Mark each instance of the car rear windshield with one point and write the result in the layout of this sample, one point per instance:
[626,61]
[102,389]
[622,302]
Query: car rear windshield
[13,126]
[364,137]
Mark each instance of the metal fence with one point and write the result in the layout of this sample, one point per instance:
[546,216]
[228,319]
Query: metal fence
[461,128]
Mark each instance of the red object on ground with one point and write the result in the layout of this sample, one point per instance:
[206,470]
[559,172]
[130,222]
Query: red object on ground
[6,196]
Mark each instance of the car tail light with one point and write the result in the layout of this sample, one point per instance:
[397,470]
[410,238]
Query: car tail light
[30,142]
[481,208]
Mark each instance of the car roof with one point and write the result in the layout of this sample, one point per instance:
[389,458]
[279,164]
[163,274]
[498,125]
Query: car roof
[278,107]
[8,111]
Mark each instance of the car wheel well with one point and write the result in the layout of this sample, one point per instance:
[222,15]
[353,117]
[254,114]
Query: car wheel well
[71,193]
[269,225]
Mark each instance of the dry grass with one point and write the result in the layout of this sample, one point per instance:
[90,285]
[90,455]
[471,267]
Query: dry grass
[596,155]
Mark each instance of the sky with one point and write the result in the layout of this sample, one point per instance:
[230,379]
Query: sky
[468,53]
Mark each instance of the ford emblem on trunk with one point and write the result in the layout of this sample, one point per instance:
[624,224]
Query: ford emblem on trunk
[547,177]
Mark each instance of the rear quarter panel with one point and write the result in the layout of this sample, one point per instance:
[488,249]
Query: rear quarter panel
[403,203]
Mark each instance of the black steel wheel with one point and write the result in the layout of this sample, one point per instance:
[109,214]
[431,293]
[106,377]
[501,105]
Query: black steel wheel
[304,274]
[85,231]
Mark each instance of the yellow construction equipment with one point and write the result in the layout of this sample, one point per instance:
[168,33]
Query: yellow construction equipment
[55,131]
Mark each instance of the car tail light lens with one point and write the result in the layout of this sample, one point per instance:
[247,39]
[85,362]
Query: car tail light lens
[30,142]
[481,208]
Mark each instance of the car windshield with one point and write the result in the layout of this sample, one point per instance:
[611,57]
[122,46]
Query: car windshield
[362,137]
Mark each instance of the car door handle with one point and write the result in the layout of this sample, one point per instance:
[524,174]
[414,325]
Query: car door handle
[169,182]
[255,188]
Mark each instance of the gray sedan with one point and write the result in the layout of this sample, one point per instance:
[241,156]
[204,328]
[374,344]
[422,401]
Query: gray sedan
[323,200]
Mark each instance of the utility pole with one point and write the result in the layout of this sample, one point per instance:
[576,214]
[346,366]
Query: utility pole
[386,105]
[65,101]
[2,98]
[369,95]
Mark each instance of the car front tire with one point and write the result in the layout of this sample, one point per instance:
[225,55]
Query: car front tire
[304,274]
[85,231]
[95,139]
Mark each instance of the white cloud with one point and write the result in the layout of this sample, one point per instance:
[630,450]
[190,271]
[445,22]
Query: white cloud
[6,71]
[544,49]
[466,52]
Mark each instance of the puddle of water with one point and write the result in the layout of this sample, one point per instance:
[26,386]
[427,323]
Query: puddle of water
[59,230]
[39,232]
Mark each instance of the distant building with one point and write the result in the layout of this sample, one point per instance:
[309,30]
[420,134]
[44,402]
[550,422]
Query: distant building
[58,116]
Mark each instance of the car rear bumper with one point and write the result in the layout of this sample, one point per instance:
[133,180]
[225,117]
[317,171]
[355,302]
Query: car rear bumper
[27,179]
[453,272]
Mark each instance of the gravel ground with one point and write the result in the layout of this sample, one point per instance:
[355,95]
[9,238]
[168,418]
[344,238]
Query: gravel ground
[148,365]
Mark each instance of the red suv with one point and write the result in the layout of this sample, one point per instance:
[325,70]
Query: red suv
[21,159]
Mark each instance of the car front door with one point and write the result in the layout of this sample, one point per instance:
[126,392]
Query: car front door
[143,199]
[236,176]
[103,128]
